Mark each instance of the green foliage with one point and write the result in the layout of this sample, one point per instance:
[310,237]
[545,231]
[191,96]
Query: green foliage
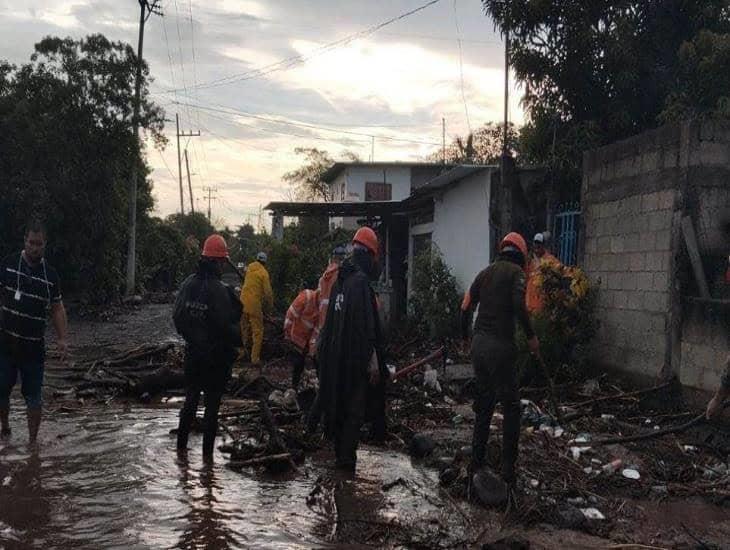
[192,225]
[567,323]
[703,79]
[67,153]
[483,146]
[597,71]
[165,255]
[307,180]
[433,307]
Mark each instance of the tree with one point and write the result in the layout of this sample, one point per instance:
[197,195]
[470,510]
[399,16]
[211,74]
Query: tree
[703,79]
[307,180]
[192,224]
[483,146]
[596,71]
[67,151]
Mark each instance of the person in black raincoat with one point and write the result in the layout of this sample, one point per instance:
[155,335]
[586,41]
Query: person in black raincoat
[351,349]
[207,315]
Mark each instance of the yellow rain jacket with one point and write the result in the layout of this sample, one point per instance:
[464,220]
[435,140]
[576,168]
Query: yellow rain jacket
[257,297]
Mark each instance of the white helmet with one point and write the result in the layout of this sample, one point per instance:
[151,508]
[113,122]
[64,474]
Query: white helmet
[262,257]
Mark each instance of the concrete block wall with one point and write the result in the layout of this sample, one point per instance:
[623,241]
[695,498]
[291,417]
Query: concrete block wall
[634,194]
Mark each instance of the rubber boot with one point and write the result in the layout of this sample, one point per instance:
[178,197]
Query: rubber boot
[34,423]
[5,422]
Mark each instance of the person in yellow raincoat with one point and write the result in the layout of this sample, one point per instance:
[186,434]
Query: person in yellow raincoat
[533,295]
[257,297]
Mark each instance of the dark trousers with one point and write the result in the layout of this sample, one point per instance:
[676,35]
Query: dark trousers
[376,410]
[297,359]
[496,380]
[347,426]
[211,381]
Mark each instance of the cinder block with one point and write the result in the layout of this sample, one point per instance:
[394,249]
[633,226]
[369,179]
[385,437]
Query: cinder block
[629,281]
[617,244]
[650,161]
[661,281]
[635,300]
[637,261]
[621,300]
[604,244]
[661,219]
[657,261]
[658,322]
[591,245]
[649,202]
[666,200]
[656,301]
[614,281]
[662,239]
[645,280]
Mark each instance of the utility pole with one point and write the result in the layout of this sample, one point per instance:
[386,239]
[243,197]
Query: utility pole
[179,157]
[443,139]
[146,9]
[505,147]
[210,190]
[372,149]
[190,185]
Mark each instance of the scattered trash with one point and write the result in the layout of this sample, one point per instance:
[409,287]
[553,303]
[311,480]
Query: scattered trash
[592,513]
[558,431]
[612,466]
[577,501]
[577,451]
[290,400]
[276,397]
[391,369]
[608,417]
[458,419]
[431,381]
[630,473]
[448,400]
[588,470]
[547,429]
[591,386]
[534,483]
[689,448]
[660,489]
[582,438]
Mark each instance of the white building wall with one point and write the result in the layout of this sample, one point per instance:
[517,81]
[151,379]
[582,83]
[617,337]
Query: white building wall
[399,177]
[461,227]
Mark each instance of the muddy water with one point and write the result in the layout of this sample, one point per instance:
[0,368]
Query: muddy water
[110,478]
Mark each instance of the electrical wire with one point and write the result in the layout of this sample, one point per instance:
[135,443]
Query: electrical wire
[461,67]
[293,61]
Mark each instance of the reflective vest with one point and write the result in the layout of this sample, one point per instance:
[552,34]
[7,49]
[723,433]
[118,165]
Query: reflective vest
[300,321]
[533,293]
[324,288]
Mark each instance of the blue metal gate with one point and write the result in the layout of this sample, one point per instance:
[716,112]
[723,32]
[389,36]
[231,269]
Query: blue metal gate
[565,230]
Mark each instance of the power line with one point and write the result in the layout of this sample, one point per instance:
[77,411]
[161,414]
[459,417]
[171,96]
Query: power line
[231,111]
[293,61]
[182,64]
[461,68]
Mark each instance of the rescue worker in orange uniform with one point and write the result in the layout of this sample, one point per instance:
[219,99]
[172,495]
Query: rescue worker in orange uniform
[533,294]
[499,290]
[300,323]
[257,297]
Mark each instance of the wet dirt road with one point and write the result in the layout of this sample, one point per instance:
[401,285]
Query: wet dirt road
[111,478]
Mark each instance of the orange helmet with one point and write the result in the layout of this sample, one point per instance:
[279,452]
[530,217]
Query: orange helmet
[367,237]
[215,247]
[516,240]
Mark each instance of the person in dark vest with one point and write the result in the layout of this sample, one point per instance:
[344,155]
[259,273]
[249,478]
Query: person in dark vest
[207,315]
[499,290]
[29,289]
[351,348]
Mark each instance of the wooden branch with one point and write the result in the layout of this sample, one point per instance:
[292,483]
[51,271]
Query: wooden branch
[268,459]
[621,395]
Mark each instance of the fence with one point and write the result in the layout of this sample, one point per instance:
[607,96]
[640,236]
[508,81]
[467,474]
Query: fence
[565,230]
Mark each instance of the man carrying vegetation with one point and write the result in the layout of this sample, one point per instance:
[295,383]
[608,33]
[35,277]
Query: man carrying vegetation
[207,315]
[257,297]
[500,292]
[351,348]
[29,288]
[539,256]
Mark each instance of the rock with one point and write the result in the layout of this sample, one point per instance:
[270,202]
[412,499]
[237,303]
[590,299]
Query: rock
[464,452]
[592,513]
[290,400]
[421,445]
[431,380]
[569,517]
[488,488]
[512,542]
[276,397]
[448,475]
[660,489]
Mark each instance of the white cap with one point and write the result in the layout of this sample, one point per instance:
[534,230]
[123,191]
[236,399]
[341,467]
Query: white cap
[539,238]
[261,257]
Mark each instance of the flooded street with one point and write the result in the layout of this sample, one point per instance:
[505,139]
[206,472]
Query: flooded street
[110,478]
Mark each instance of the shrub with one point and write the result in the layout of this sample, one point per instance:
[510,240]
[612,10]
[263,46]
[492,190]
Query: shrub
[433,307]
[567,322]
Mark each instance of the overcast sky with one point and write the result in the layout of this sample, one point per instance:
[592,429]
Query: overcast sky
[222,59]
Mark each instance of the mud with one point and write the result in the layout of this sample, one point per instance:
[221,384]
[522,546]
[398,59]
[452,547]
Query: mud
[107,476]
